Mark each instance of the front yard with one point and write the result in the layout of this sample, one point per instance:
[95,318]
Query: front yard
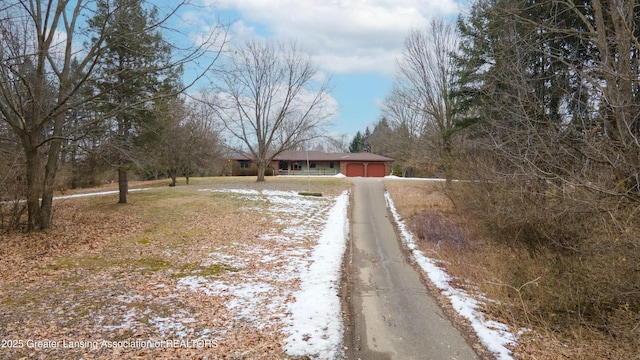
[211,270]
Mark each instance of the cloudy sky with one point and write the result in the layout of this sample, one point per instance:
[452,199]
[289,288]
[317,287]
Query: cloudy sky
[355,42]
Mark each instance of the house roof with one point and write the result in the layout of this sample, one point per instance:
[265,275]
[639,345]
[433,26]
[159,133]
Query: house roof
[322,156]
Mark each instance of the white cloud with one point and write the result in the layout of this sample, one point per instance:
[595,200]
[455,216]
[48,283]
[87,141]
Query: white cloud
[371,60]
[343,36]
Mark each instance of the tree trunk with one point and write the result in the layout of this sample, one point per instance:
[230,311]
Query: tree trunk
[40,182]
[447,156]
[50,171]
[123,185]
[262,166]
[46,206]
[34,187]
[41,177]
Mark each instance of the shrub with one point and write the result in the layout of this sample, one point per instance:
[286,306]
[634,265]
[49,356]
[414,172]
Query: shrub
[253,171]
[580,247]
[434,227]
[397,169]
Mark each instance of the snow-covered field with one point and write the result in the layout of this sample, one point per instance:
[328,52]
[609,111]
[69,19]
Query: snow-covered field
[289,278]
[297,283]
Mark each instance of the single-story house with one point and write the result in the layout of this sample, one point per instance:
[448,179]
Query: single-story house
[320,163]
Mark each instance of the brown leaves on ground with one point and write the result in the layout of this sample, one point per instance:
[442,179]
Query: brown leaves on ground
[133,281]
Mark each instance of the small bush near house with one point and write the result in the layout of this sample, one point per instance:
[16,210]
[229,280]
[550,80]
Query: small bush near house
[397,169]
[253,171]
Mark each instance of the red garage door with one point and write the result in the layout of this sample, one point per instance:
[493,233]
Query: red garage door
[375,170]
[355,170]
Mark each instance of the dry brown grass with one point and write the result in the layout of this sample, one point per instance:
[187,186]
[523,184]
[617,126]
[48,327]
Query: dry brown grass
[416,196]
[559,297]
[101,263]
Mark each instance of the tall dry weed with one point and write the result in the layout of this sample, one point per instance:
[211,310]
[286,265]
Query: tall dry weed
[434,227]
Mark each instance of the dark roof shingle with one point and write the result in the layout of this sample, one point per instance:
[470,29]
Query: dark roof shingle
[321,156]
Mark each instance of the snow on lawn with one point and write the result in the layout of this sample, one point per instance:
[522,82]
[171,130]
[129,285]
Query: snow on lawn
[79,195]
[494,336]
[290,279]
[394,177]
[316,324]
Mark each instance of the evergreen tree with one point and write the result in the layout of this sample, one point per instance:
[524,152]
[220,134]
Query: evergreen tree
[136,70]
[366,140]
[356,143]
[381,138]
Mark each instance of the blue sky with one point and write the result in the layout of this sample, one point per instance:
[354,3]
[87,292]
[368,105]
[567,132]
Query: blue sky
[355,42]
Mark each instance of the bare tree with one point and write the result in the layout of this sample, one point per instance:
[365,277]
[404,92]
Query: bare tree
[380,139]
[328,143]
[268,99]
[426,78]
[36,83]
[413,154]
[192,144]
[336,143]
[43,66]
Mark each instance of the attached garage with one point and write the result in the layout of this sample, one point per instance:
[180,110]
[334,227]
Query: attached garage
[365,165]
[376,170]
[354,170]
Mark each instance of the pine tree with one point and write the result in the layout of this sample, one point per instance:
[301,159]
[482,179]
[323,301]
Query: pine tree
[136,70]
[366,140]
[380,139]
[356,143]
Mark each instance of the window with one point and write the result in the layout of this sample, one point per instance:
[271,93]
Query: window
[297,166]
[312,165]
[244,164]
[330,165]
